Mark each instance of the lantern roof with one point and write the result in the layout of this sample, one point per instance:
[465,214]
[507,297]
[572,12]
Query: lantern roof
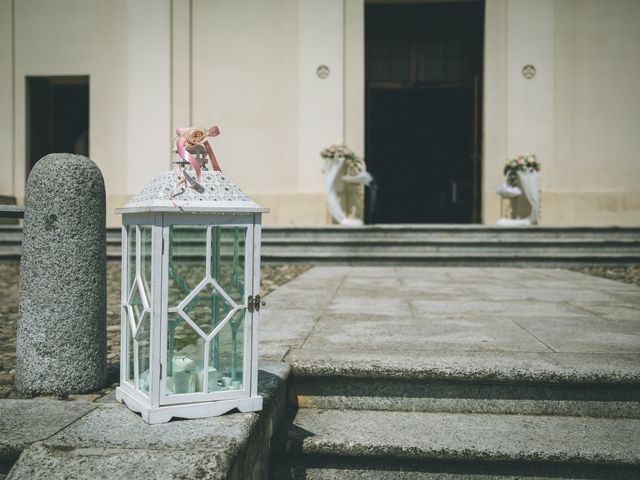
[213,192]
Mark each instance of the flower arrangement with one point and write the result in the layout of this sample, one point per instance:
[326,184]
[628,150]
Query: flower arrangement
[353,163]
[521,163]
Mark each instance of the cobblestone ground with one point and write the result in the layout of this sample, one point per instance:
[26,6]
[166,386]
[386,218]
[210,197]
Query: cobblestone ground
[620,274]
[272,277]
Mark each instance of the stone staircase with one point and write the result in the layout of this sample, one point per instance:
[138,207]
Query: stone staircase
[455,422]
[436,245]
[456,373]
[449,245]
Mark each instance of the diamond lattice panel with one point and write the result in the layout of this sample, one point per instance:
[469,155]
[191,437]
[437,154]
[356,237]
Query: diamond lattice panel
[138,305]
[208,309]
[142,326]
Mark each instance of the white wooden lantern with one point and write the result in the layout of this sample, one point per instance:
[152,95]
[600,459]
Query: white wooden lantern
[190,299]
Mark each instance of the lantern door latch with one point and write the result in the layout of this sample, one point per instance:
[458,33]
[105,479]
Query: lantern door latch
[254,303]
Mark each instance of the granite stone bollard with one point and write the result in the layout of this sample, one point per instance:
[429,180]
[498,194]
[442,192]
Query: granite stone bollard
[61,332]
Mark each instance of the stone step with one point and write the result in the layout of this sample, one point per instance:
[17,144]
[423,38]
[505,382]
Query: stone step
[10,233]
[470,245]
[514,259]
[450,235]
[465,396]
[594,385]
[346,444]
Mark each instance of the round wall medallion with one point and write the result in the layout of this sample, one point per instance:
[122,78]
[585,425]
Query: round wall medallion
[528,72]
[323,71]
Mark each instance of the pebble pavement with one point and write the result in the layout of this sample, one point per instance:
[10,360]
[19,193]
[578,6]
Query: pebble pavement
[273,275]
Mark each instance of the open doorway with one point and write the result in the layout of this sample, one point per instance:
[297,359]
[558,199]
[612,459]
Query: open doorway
[57,116]
[423,84]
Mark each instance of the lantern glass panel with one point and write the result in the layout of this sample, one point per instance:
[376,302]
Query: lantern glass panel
[144,352]
[228,354]
[206,292]
[137,304]
[131,254]
[146,259]
[129,342]
[187,260]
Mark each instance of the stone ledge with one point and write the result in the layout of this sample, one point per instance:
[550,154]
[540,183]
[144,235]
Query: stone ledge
[112,441]
[23,422]
[490,366]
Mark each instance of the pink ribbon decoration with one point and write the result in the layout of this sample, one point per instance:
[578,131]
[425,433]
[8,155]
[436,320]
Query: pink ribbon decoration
[213,132]
[181,146]
[181,150]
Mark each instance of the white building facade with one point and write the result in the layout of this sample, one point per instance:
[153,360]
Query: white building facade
[251,67]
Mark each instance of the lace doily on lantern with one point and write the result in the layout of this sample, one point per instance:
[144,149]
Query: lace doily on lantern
[217,191]
[216,188]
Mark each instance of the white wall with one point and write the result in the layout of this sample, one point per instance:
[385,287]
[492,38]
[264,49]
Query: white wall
[254,75]
[321,107]
[250,67]
[494,123]
[354,78]
[6,98]
[148,90]
[604,145]
[50,39]
[530,102]
[580,114]
[128,63]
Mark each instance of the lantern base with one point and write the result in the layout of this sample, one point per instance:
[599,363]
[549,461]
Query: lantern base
[164,413]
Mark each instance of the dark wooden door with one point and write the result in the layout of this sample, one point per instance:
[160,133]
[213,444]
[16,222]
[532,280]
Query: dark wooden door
[423,70]
[57,116]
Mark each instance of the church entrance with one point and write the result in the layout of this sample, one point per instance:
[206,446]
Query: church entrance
[423,111]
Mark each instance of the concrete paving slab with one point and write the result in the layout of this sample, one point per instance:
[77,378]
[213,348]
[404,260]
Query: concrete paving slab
[544,294]
[571,283]
[291,326]
[612,311]
[468,437]
[463,307]
[297,298]
[282,329]
[585,334]
[335,332]
[424,285]
[578,277]
[444,320]
[276,351]
[23,422]
[378,305]
[328,272]
[627,296]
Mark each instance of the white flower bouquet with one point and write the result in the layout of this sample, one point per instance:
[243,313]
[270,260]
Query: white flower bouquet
[521,163]
[354,164]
